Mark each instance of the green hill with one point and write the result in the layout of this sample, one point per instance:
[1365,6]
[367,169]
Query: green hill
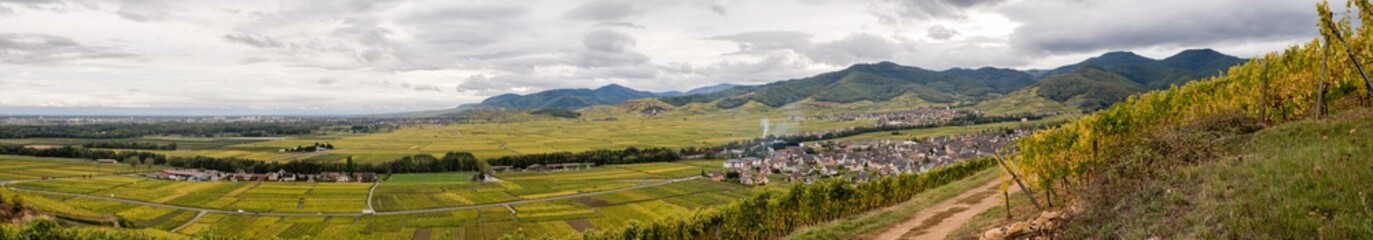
[871,82]
[1088,88]
[567,98]
[1090,84]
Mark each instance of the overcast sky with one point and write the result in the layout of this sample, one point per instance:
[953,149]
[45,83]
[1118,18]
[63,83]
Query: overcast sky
[370,56]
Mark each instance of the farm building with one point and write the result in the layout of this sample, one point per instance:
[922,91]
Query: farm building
[365,177]
[106,161]
[189,175]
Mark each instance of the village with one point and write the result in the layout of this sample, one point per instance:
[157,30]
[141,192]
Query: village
[863,160]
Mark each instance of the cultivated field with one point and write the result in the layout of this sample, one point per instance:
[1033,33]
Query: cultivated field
[615,195]
[232,196]
[31,168]
[488,140]
[551,218]
[435,190]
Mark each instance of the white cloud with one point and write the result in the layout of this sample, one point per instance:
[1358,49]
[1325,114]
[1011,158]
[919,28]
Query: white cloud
[352,56]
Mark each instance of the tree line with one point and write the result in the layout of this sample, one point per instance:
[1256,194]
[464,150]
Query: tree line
[129,145]
[451,161]
[599,157]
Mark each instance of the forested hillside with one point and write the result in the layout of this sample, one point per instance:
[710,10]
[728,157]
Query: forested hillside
[1087,85]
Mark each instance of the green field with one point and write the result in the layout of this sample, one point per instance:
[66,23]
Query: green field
[434,190]
[31,168]
[82,208]
[252,197]
[488,140]
[551,218]
[400,192]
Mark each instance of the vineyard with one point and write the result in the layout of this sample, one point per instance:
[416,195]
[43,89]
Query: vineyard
[434,190]
[1301,82]
[1178,150]
[539,219]
[232,196]
[32,168]
[776,213]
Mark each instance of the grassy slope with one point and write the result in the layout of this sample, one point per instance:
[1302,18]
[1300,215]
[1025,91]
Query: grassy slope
[1306,179]
[1298,180]
[1310,178]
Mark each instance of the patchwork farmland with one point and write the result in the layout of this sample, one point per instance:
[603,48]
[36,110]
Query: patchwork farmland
[32,168]
[408,206]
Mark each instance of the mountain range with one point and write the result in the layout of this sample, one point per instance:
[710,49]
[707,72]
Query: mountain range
[1091,84]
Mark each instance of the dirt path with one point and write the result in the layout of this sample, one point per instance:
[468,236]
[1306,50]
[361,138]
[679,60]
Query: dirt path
[938,221]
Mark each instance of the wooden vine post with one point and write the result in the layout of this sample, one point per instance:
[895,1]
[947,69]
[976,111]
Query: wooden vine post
[1325,76]
[1352,58]
[1016,177]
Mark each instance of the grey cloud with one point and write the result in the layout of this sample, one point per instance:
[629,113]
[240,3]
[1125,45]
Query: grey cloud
[609,41]
[858,47]
[469,26]
[605,10]
[254,40]
[326,81]
[852,49]
[752,42]
[426,87]
[146,10]
[41,49]
[940,32]
[618,24]
[926,9]
[718,9]
[1118,24]
[608,48]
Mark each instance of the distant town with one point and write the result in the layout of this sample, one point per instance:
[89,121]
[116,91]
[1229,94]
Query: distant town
[863,160]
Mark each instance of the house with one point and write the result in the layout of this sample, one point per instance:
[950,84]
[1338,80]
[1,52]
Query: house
[535,167]
[334,177]
[106,161]
[829,170]
[500,168]
[287,177]
[863,176]
[733,164]
[761,179]
[716,176]
[180,175]
[746,178]
[365,177]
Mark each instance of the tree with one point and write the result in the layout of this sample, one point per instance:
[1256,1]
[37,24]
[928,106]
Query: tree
[133,162]
[349,165]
